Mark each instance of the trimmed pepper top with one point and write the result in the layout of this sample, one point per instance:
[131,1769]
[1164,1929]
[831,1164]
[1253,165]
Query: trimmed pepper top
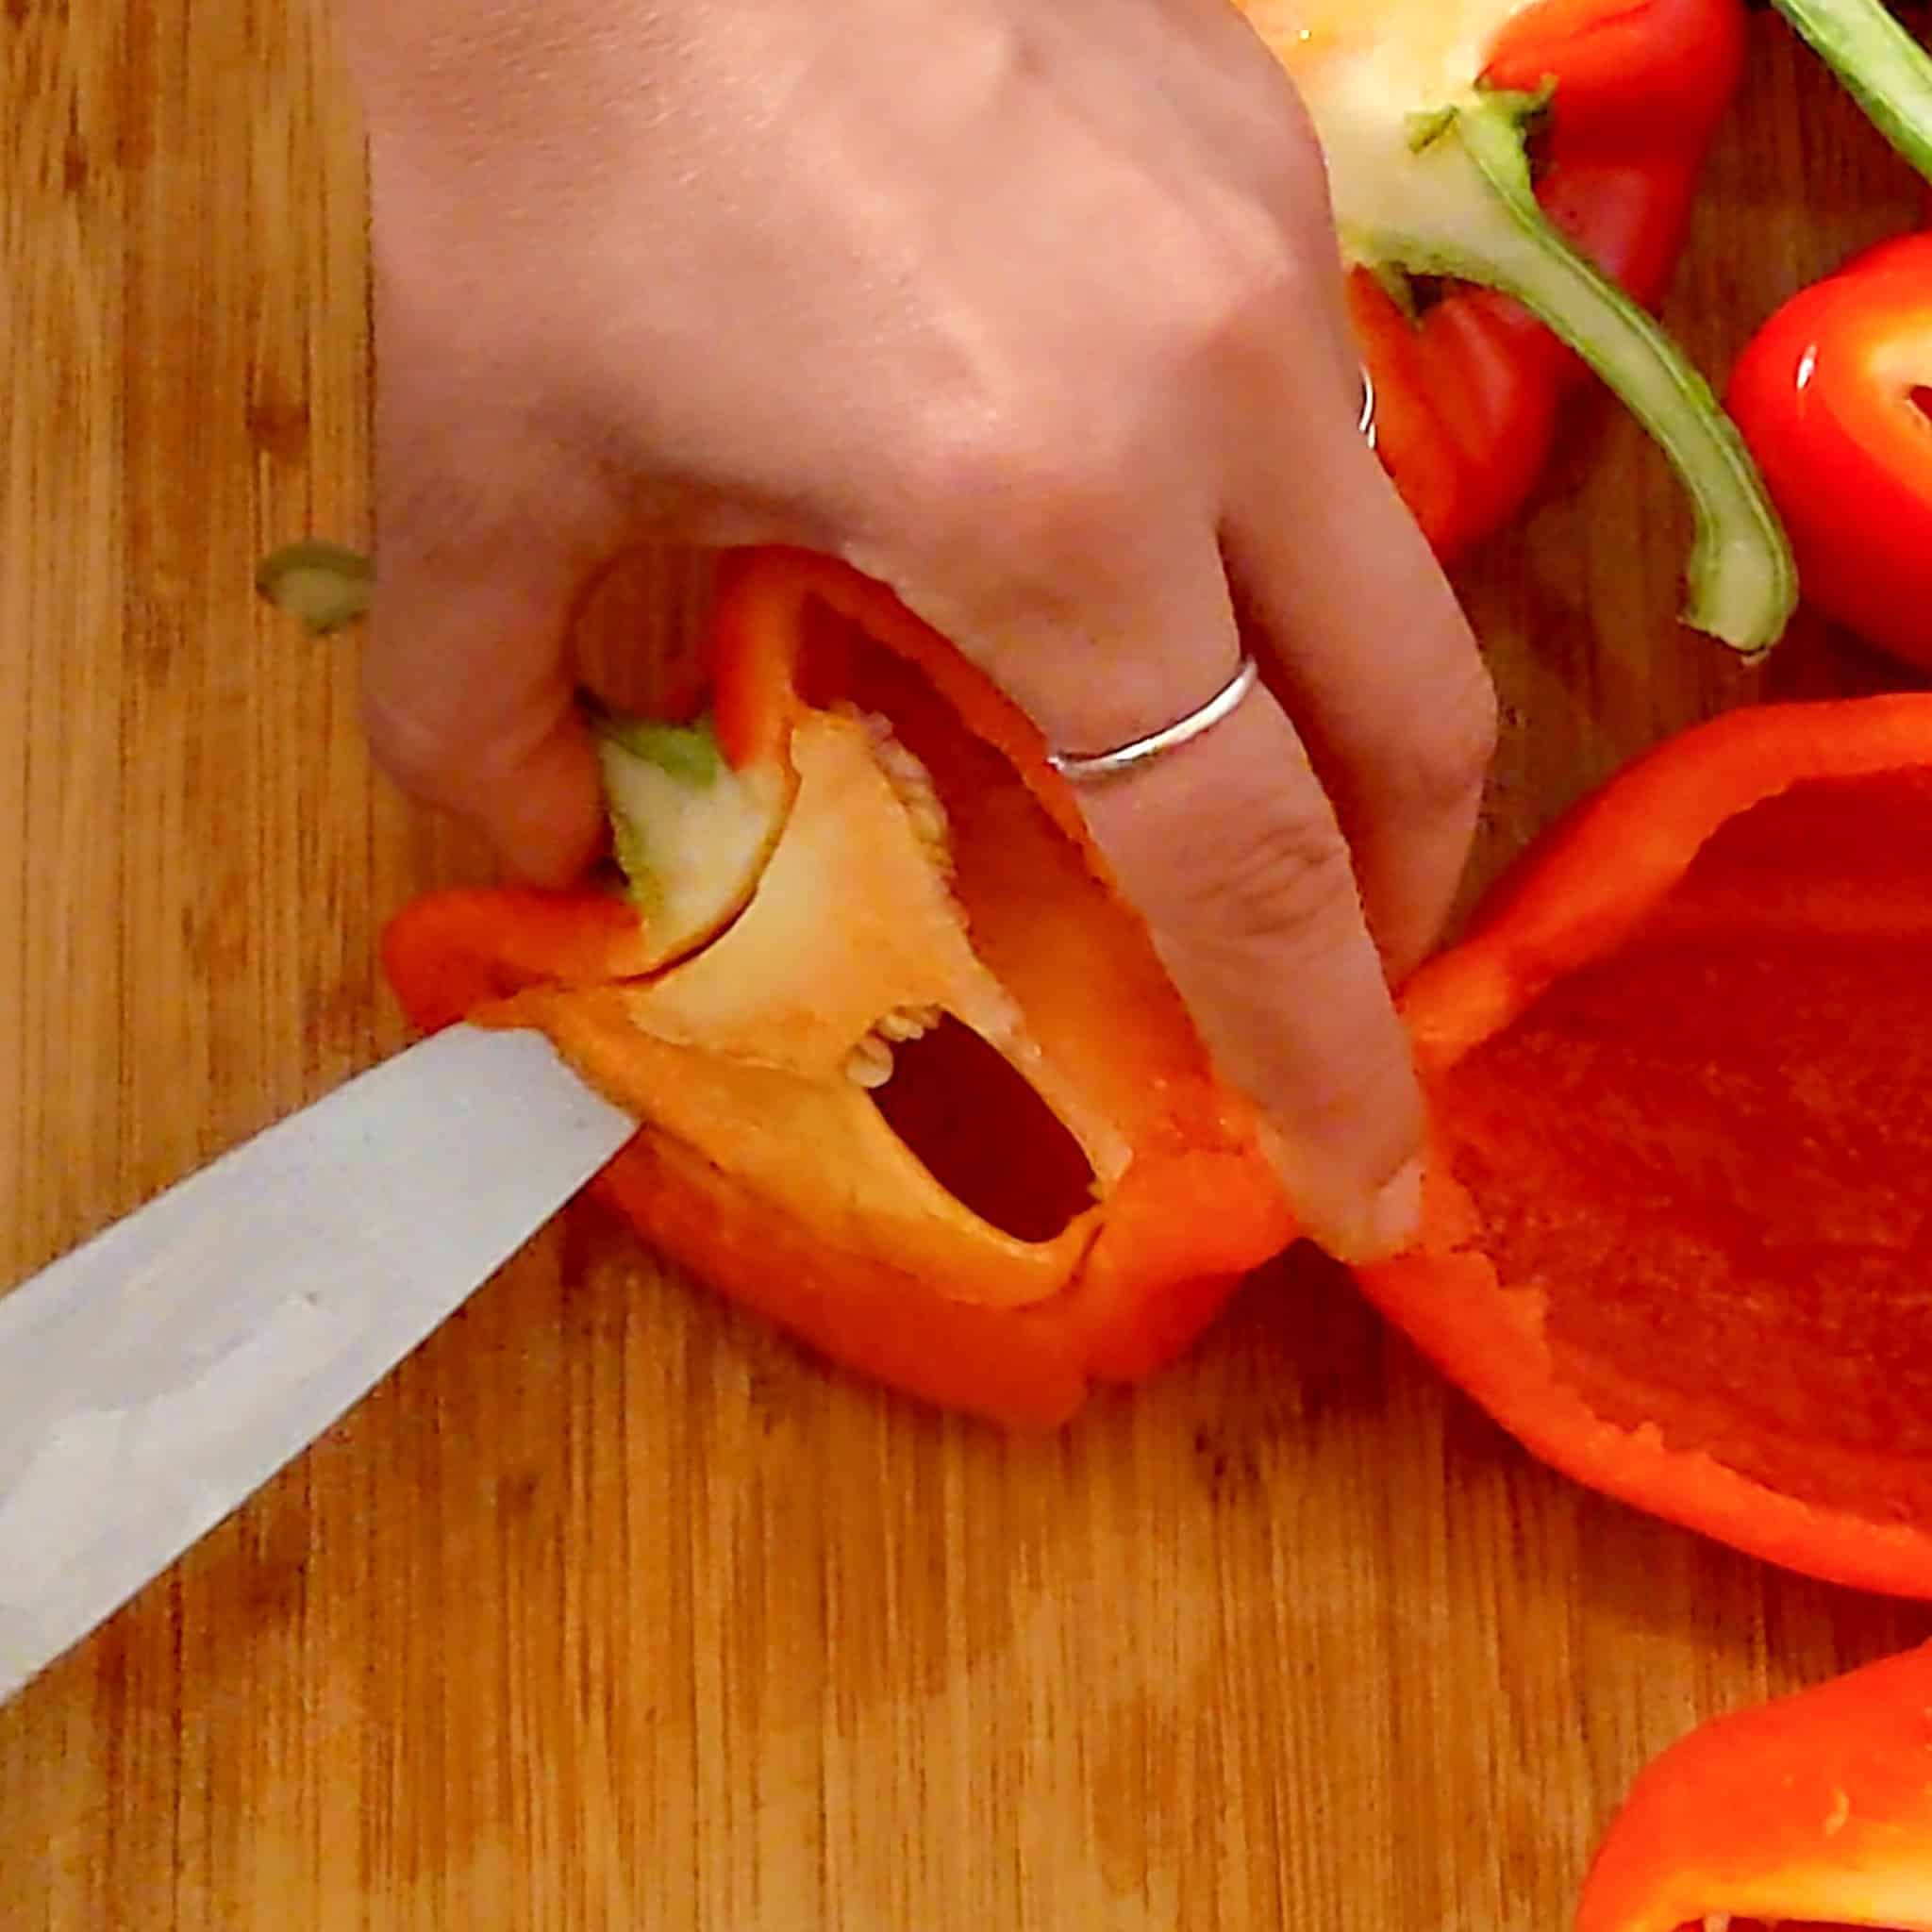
[1423,123]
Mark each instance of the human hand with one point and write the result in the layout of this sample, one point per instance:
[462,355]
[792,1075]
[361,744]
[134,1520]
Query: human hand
[1033,313]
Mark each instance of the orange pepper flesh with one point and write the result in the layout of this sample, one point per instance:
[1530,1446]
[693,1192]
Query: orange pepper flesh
[1680,1222]
[1195,1209]
[1811,1811]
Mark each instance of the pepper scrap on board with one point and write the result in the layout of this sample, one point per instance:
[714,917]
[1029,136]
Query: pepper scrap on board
[913,1086]
[1814,1807]
[1624,99]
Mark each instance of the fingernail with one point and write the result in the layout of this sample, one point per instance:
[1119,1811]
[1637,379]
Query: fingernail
[1355,1230]
[1396,1219]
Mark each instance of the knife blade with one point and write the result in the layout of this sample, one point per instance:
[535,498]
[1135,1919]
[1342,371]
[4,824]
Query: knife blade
[159,1375]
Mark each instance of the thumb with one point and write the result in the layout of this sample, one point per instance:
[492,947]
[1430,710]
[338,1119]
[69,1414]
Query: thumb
[468,704]
[1232,852]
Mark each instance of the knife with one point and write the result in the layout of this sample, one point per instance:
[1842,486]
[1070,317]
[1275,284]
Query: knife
[157,1375]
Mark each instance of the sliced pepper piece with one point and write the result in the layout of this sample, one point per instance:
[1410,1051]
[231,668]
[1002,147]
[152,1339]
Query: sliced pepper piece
[929,1100]
[1422,115]
[1678,1225]
[1814,1808]
[1832,394]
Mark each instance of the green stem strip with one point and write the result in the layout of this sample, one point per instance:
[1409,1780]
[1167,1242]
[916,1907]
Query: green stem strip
[1883,68]
[1742,583]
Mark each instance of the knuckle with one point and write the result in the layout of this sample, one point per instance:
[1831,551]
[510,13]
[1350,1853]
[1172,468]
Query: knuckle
[1246,283]
[1025,505]
[1444,767]
[403,744]
[1288,874]
[1297,166]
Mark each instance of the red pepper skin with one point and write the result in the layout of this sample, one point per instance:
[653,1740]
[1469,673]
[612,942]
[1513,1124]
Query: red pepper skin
[763,607]
[1825,395]
[1815,1808]
[467,950]
[1748,1391]
[1197,1209]
[1467,396]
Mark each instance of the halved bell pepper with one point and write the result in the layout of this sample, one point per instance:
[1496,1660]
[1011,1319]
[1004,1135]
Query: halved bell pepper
[1678,1222]
[1678,1226]
[1423,113]
[910,1079]
[1814,1808]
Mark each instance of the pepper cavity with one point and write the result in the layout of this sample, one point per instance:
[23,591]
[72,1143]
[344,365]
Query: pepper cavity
[810,928]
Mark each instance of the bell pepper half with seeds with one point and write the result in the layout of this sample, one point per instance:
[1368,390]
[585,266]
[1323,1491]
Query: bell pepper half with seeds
[1480,280]
[909,1077]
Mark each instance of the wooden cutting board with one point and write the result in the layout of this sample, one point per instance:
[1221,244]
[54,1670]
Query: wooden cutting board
[609,1610]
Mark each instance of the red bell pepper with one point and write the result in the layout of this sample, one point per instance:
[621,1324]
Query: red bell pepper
[1815,1808]
[1425,119]
[1678,1225]
[1467,390]
[990,1210]
[1832,394]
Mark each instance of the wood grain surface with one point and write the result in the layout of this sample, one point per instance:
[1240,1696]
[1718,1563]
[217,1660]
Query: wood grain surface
[609,1610]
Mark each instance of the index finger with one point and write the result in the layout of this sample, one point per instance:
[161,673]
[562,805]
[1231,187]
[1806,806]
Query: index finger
[1368,649]
[1230,850]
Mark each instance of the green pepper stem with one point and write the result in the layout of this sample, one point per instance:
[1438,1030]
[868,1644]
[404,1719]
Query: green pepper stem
[1488,228]
[688,753]
[1883,68]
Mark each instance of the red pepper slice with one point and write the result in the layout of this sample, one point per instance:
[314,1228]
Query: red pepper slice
[1815,1808]
[774,1178]
[1679,1225]
[1467,394]
[1832,396]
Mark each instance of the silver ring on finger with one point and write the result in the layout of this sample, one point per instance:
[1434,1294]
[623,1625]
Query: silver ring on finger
[1084,766]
